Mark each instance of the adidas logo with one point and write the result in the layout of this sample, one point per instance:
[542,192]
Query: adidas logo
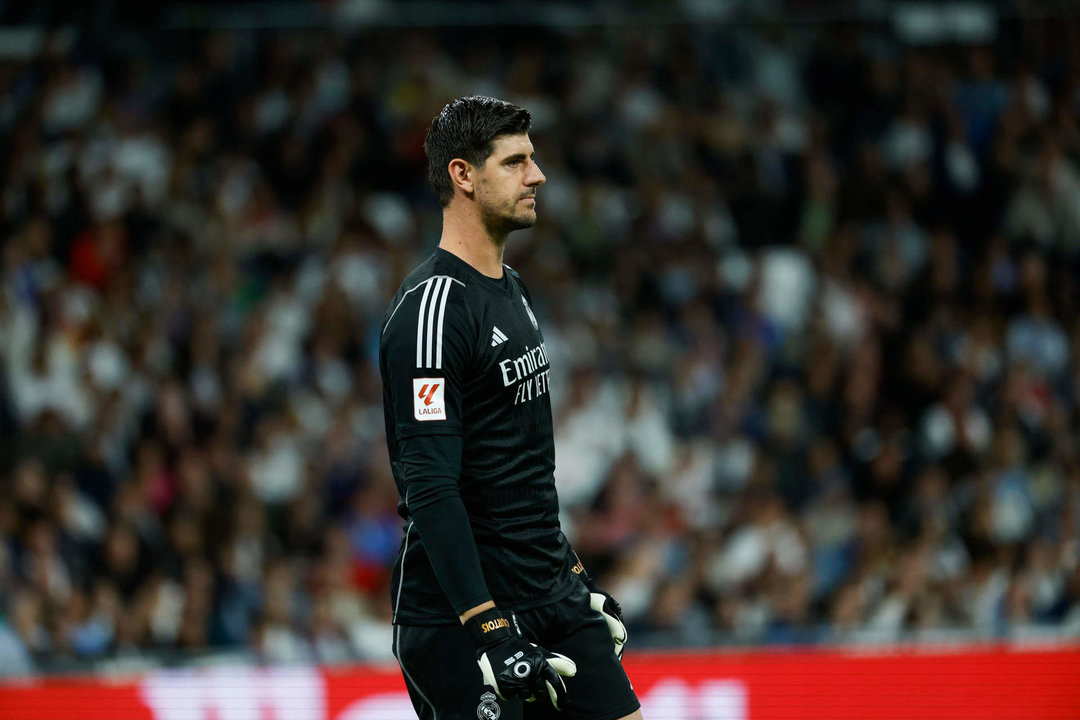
[498,337]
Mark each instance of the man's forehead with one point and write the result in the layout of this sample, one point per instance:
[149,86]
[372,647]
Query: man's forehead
[513,144]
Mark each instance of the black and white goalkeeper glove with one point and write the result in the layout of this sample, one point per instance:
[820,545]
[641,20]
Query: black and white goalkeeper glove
[606,605]
[514,667]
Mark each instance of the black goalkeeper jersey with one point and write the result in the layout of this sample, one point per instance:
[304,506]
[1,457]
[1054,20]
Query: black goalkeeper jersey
[462,354]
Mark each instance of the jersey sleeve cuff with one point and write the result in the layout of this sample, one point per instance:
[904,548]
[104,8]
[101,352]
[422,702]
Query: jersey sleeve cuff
[471,602]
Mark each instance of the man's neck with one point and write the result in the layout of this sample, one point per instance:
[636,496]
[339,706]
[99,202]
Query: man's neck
[466,237]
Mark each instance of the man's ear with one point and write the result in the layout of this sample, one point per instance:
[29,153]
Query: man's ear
[462,174]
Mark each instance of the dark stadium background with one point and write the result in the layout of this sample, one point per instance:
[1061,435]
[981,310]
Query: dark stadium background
[808,273]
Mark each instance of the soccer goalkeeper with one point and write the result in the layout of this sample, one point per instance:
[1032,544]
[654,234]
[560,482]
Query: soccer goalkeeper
[494,616]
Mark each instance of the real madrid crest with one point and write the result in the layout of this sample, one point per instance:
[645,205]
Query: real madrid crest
[529,310]
[488,709]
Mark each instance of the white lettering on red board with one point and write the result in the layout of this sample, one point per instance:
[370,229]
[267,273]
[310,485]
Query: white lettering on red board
[294,693]
[236,693]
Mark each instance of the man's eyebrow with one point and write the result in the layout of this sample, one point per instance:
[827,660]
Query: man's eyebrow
[517,156]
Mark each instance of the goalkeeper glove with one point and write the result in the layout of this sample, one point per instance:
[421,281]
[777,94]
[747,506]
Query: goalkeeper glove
[514,667]
[604,604]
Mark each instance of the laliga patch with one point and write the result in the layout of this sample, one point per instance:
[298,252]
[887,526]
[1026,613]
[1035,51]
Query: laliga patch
[429,399]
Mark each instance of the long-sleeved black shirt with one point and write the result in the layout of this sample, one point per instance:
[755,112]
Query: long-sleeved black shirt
[469,431]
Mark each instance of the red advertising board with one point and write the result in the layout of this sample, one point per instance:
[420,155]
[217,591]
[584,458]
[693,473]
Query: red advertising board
[899,684]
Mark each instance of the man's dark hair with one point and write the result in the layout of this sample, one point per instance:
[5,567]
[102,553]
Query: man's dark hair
[466,128]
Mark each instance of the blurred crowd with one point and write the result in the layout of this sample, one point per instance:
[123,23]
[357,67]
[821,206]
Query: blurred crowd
[818,289]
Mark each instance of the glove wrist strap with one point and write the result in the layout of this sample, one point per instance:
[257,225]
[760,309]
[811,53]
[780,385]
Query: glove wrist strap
[578,569]
[488,628]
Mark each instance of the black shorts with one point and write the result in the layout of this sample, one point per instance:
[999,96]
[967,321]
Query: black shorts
[444,681]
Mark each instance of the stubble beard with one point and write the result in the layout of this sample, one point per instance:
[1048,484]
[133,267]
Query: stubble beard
[501,223]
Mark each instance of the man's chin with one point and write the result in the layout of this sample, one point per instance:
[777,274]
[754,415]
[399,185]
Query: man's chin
[503,224]
[521,221]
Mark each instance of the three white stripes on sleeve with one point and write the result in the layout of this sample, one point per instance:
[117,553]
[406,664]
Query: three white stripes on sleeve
[429,325]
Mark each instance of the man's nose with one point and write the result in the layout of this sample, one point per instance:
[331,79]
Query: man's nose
[535,177]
